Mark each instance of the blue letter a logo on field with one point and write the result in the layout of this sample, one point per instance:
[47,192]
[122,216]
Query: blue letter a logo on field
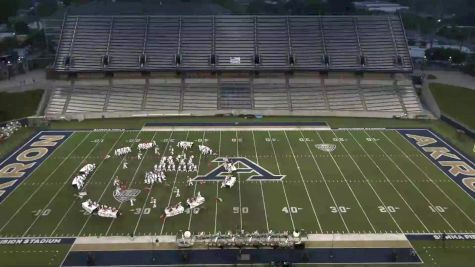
[243,166]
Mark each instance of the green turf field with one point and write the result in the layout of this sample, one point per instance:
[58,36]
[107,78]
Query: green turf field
[374,182]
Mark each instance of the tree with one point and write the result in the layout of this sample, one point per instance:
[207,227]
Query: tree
[340,6]
[47,8]
[446,54]
[8,8]
[21,27]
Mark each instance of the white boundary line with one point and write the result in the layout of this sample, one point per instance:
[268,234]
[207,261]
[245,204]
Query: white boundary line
[325,181]
[151,187]
[348,184]
[130,183]
[64,184]
[368,182]
[281,181]
[389,181]
[88,181]
[304,184]
[44,181]
[427,176]
[260,182]
[410,181]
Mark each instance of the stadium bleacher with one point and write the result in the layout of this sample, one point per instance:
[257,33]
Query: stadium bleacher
[268,43]
[207,65]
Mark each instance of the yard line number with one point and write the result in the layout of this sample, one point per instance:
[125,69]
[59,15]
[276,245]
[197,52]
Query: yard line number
[341,209]
[389,209]
[437,208]
[291,210]
[243,210]
[41,212]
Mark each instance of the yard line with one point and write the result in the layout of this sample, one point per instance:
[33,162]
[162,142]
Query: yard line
[107,185]
[151,187]
[196,183]
[44,181]
[387,179]
[303,181]
[281,182]
[367,180]
[87,182]
[217,188]
[260,182]
[239,181]
[427,176]
[410,181]
[171,193]
[348,184]
[64,184]
[133,178]
[325,182]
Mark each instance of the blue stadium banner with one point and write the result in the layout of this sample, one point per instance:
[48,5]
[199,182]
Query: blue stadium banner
[36,241]
[453,163]
[440,236]
[17,167]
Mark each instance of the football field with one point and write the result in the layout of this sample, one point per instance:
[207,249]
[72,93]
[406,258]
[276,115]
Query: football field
[333,181]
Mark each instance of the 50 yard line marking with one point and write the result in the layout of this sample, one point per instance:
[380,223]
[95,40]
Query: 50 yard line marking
[239,182]
[85,185]
[173,186]
[281,182]
[260,182]
[427,176]
[389,181]
[325,181]
[410,181]
[130,183]
[217,189]
[64,184]
[44,181]
[151,187]
[196,183]
[348,184]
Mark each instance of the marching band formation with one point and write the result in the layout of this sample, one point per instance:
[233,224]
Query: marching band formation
[168,163]
[79,180]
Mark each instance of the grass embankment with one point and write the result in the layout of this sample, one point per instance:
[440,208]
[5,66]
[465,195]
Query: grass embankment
[19,105]
[456,102]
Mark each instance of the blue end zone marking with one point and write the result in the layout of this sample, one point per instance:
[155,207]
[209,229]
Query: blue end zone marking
[235,124]
[438,236]
[23,162]
[454,164]
[232,256]
[36,241]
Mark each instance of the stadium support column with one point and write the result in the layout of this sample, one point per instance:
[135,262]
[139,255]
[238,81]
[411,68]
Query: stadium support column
[106,103]
[324,92]
[251,89]
[360,92]
[145,93]
[399,96]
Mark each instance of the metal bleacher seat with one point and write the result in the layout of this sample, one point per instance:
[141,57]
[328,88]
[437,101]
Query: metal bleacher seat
[126,42]
[234,45]
[163,95]
[343,96]
[273,42]
[200,94]
[307,96]
[341,42]
[307,42]
[381,98]
[196,42]
[270,95]
[125,97]
[409,97]
[87,99]
[162,42]
[57,100]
